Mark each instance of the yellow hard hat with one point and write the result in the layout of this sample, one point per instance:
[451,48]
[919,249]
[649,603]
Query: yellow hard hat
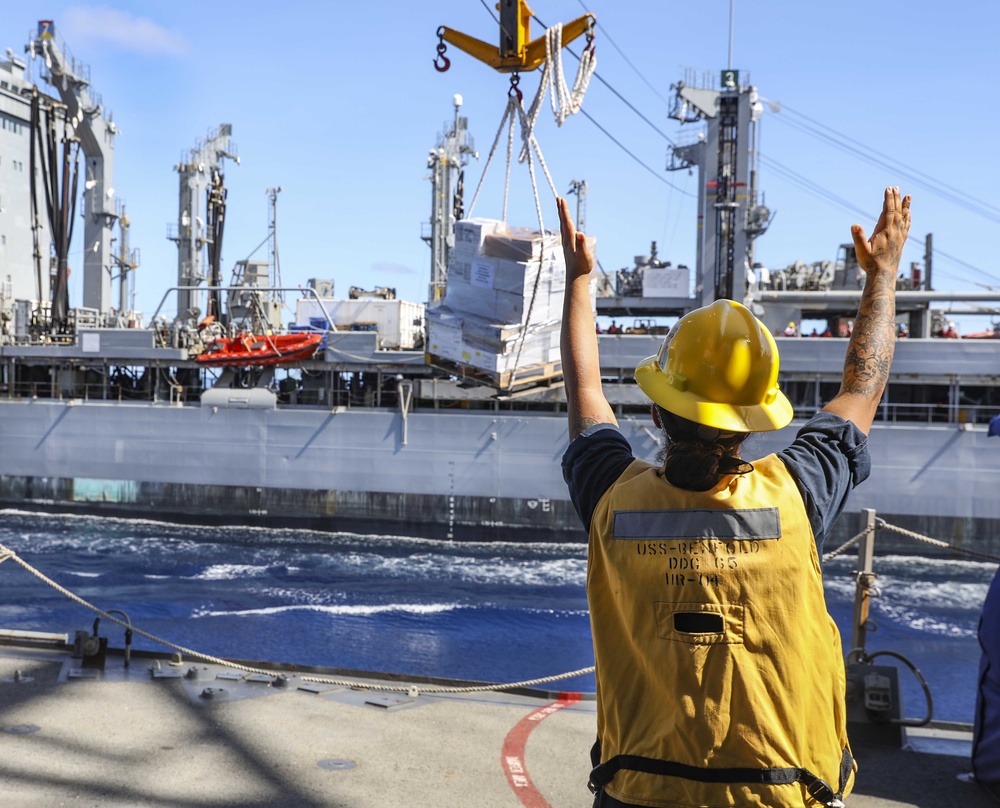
[718,366]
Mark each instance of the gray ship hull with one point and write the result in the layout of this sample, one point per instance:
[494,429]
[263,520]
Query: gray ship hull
[442,474]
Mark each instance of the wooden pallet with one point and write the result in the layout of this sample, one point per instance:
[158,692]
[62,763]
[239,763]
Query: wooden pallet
[541,375]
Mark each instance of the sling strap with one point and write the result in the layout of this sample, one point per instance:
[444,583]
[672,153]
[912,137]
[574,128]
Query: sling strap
[820,790]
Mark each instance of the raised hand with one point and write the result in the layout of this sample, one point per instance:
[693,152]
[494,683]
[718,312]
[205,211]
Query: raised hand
[885,247]
[873,341]
[579,259]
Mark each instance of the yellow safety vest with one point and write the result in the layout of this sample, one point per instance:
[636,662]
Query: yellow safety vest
[720,674]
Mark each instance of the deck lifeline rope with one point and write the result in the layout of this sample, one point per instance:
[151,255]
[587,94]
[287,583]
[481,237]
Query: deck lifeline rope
[413,690]
[851,542]
[881,524]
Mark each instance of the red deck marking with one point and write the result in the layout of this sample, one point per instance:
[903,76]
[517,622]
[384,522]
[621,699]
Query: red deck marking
[512,756]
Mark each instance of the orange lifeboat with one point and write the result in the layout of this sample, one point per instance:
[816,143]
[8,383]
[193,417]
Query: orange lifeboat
[248,349]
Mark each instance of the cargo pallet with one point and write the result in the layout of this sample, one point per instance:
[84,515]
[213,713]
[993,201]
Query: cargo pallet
[542,375]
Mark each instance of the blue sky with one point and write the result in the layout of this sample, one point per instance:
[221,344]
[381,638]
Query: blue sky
[339,104]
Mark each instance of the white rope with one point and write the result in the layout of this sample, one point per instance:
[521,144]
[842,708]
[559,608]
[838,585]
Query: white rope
[881,524]
[570,101]
[513,103]
[6,553]
[563,100]
[938,543]
[508,111]
[528,138]
[529,142]
[848,544]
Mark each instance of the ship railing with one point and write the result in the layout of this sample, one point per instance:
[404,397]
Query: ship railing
[937,413]
[877,696]
[55,389]
[306,291]
[87,318]
[61,390]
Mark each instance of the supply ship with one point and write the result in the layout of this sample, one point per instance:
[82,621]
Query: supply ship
[381,416]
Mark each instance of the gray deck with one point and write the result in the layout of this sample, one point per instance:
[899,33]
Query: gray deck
[126,738]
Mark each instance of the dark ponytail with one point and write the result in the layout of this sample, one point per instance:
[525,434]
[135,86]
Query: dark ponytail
[696,457]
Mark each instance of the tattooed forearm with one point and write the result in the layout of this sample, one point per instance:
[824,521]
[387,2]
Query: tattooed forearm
[581,426]
[869,354]
[873,340]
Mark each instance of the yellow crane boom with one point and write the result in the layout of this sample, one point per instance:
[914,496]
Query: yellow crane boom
[517,51]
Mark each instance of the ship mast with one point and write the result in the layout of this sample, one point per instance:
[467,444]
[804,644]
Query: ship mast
[447,163]
[579,187]
[126,261]
[725,157]
[200,177]
[272,237]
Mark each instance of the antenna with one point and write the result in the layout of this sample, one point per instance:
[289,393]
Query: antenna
[732,17]
[272,235]
[579,187]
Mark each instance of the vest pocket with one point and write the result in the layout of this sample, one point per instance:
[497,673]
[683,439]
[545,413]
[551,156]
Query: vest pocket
[700,623]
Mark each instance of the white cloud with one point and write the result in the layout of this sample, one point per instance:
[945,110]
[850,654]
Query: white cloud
[104,25]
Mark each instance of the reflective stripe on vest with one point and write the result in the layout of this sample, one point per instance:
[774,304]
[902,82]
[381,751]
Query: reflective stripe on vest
[715,651]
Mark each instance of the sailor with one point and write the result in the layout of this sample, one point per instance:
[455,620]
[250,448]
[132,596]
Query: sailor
[986,734]
[720,676]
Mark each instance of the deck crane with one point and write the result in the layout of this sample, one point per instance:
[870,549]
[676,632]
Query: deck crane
[517,51]
[96,132]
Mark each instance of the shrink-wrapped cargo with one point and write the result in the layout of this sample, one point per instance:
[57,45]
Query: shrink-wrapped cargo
[465,339]
[503,301]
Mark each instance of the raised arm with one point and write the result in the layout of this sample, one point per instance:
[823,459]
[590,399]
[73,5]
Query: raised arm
[585,401]
[873,341]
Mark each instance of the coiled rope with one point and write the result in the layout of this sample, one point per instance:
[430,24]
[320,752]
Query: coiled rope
[7,554]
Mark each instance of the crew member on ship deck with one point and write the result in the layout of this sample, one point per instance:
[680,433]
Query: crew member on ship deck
[720,677]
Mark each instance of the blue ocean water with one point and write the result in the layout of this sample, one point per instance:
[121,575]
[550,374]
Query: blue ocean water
[498,612]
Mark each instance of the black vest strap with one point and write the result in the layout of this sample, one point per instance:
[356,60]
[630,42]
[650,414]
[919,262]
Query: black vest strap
[818,788]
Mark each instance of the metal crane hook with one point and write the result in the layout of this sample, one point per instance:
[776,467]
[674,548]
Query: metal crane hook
[441,62]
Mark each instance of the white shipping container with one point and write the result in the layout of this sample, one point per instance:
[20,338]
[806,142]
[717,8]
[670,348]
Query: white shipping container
[400,324]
